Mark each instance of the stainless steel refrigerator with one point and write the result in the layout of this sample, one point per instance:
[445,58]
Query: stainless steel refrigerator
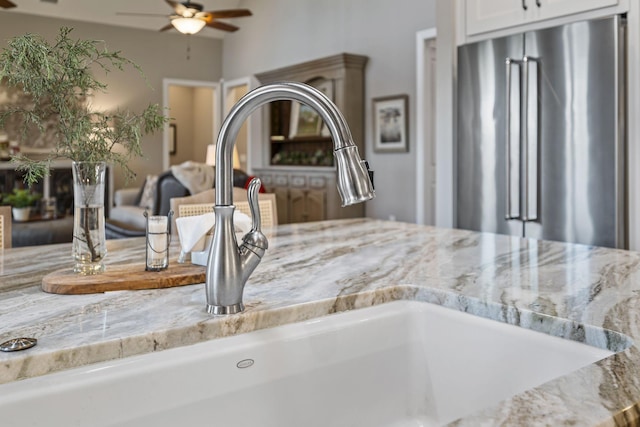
[541,134]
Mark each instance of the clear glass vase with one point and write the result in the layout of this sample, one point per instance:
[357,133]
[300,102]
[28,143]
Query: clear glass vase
[89,241]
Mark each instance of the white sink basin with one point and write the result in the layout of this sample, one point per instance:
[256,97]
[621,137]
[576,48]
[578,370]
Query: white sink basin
[397,364]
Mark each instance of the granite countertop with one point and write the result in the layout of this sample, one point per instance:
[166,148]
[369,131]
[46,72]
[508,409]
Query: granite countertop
[318,268]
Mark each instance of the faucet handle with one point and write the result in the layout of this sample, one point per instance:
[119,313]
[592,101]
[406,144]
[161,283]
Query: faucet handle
[254,239]
[252,193]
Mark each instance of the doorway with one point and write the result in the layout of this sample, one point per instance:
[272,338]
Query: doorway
[194,110]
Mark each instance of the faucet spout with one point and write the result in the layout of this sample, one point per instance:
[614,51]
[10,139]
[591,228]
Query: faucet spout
[229,265]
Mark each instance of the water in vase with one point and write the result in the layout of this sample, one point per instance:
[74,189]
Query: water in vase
[89,247]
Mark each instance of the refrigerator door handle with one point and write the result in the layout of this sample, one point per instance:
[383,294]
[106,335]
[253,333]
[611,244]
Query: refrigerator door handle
[529,150]
[510,62]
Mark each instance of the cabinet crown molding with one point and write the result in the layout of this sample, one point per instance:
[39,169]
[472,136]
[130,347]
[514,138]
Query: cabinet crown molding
[322,67]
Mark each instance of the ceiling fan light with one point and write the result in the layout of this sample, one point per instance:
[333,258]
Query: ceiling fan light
[188,25]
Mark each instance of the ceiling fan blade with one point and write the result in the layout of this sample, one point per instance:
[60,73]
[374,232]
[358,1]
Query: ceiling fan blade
[6,4]
[140,14]
[222,26]
[229,13]
[166,27]
[177,6]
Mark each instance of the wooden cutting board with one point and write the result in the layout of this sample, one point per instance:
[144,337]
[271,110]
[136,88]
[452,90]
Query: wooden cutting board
[122,277]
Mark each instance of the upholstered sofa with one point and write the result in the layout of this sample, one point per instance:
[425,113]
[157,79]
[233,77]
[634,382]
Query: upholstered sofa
[126,217]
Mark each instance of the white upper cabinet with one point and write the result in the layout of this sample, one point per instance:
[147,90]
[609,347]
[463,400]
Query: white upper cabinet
[489,15]
[553,8]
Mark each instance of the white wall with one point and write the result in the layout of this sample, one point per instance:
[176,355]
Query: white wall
[286,32]
[160,55]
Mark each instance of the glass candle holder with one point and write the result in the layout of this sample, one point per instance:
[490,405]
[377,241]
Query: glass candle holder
[158,239]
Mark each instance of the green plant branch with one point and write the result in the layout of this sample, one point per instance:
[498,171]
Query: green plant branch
[58,79]
[86,226]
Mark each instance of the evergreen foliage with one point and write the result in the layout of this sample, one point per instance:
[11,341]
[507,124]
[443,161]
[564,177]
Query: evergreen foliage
[59,80]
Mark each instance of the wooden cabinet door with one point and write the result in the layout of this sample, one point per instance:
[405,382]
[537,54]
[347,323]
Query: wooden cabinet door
[307,205]
[297,205]
[316,205]
[282,201]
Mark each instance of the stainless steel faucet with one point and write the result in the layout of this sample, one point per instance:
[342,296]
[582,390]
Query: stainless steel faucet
[229,265]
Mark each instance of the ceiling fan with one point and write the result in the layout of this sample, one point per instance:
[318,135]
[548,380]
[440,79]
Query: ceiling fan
[6,4]
[190,18]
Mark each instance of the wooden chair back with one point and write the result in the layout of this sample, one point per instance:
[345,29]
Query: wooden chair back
[5,227]
[266,204]
[202,203]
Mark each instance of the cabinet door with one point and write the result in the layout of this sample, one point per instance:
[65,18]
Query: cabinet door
[307,205]
[488,15]
[297,205]
[282,200]
[554,8]
[315,202]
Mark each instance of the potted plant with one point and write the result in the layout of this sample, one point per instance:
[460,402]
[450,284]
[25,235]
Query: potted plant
[21,201]
[59,79]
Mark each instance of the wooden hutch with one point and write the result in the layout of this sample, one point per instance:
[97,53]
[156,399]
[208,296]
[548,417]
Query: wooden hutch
[299,165]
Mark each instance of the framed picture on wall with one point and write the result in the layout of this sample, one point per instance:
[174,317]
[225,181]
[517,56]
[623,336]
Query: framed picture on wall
[305,121]
[326,87]
[173,133]
[391,124]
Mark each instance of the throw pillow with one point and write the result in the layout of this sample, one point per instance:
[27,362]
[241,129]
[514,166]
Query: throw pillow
[148,192]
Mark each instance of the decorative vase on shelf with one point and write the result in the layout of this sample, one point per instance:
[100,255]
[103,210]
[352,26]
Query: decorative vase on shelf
[89,241]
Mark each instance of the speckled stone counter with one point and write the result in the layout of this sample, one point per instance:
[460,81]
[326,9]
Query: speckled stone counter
[574,291]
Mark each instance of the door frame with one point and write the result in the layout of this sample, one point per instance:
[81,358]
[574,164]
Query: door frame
[254,122]
[426,127]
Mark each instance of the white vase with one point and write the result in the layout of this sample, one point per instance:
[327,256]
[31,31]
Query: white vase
[89,240]
[21,214]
